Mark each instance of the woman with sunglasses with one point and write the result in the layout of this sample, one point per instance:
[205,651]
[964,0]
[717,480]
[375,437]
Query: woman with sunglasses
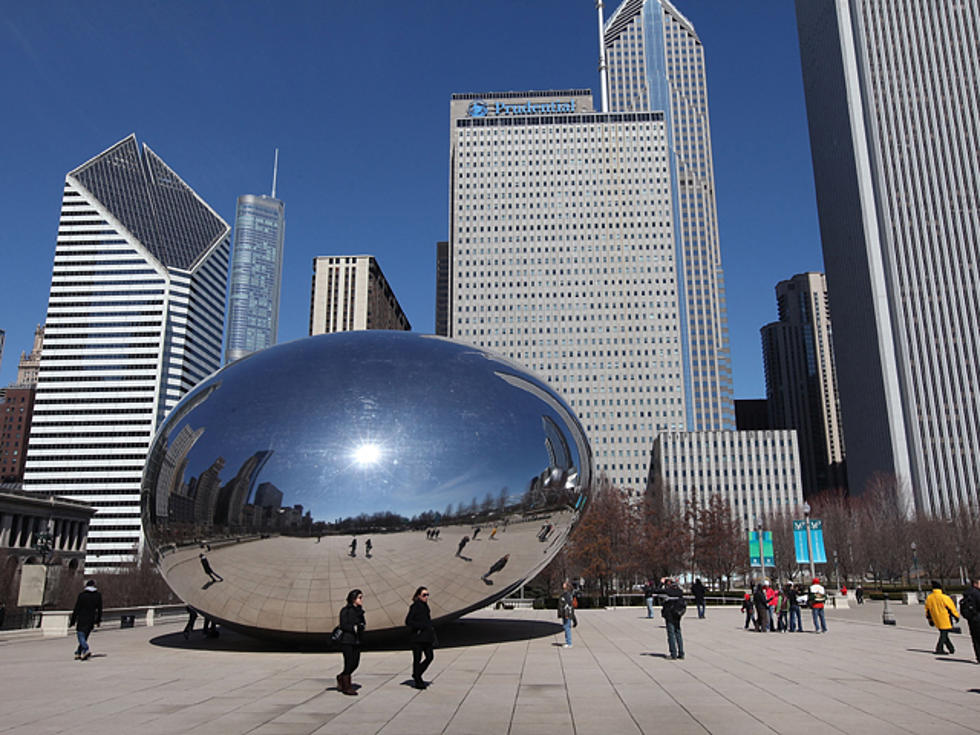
[352,624]
[423,635]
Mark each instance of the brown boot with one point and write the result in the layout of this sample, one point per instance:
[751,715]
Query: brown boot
[346,687]
[340,682]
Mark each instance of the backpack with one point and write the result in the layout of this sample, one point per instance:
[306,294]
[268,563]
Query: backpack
[968,607]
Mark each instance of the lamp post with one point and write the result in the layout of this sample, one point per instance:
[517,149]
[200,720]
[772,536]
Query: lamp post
[809,541]
[836,572]
[915,568]
[762,549]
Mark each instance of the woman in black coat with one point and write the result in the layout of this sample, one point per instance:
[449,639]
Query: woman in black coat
[423,635]
[352,624]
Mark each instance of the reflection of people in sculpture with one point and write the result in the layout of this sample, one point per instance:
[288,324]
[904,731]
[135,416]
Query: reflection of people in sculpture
[352,624]
[215,577]
[493,533]
[496,567]
[367,548]
[462,542]
[353,547]
[475,532]
[422,636]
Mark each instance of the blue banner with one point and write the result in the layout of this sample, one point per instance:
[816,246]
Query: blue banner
[754,557]
[816,538]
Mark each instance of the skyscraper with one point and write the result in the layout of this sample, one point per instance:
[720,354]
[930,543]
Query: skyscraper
[892,97]
[801,380]
[350,292]
[562,257]
[135,319]
[656,62]
[256,273]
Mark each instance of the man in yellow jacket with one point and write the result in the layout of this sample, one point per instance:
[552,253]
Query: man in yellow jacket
[939,610]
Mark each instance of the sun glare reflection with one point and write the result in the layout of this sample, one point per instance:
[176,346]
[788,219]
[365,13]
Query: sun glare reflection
[367,454]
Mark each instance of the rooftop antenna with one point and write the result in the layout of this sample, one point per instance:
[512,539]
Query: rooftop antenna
[275,173]
[603,76]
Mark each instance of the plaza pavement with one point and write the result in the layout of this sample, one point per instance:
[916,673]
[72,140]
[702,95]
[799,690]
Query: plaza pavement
[506,672]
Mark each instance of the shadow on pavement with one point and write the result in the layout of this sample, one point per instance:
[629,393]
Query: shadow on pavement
[456,634]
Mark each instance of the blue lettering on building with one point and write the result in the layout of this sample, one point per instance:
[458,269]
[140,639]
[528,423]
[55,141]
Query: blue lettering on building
[479,108]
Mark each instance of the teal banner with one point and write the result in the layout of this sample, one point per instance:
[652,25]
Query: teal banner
[816,538]
[755,558]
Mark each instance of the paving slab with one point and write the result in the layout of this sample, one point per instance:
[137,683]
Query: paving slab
[507,673]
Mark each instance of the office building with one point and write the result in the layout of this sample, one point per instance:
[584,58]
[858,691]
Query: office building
[757,472]
[752,414]
[256,273]
[892,98]
[562,258]
[3,339]
[16,409]
[350,292]
[30,362]
[135,319]
[801,379]
[442,288]
[655,62]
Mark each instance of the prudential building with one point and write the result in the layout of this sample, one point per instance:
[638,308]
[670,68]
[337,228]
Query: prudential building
[584,245]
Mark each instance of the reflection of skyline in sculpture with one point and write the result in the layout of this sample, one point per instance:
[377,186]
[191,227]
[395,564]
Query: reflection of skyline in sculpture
[377,435]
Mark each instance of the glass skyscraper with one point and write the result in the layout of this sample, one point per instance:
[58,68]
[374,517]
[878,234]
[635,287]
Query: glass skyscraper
[656,63]
[256,275]
[135,319]
[892,100]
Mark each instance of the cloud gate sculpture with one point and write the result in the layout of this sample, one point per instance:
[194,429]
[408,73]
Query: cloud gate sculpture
[377,460]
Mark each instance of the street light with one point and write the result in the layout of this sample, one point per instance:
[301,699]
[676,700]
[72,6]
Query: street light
[836,573]
[762,550]
[809,542]
[918,577]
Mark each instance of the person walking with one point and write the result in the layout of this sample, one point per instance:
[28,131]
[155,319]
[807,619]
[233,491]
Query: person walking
[697,589]
[795,619]
[367,548]
[206,565]
[771,603]
[191,618]
[353,548]
[351,625]
[782,609]
[816,600]
[462,544]
[761,609]
[970,611]
[672,610]
[86,615]
[940,611]
[566,611]
[747,609]
[423,635]
[648,591]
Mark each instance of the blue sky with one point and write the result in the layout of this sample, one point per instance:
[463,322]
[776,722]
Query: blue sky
[356,97]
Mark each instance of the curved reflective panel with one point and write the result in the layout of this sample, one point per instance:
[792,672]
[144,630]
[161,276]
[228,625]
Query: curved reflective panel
[377,460]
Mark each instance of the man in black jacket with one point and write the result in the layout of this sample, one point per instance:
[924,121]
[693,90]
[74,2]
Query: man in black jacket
[972,593]
[672,609]
[86,615]
[698,590]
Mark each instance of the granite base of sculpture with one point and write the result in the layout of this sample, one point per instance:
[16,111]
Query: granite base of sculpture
[374,460]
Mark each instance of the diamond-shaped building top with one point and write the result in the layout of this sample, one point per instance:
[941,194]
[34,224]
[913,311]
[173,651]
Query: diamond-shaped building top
[152,202]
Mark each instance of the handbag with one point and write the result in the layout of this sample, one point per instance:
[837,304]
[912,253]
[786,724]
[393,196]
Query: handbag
[337,634]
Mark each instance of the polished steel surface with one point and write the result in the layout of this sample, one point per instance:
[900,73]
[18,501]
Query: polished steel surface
[361,459]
